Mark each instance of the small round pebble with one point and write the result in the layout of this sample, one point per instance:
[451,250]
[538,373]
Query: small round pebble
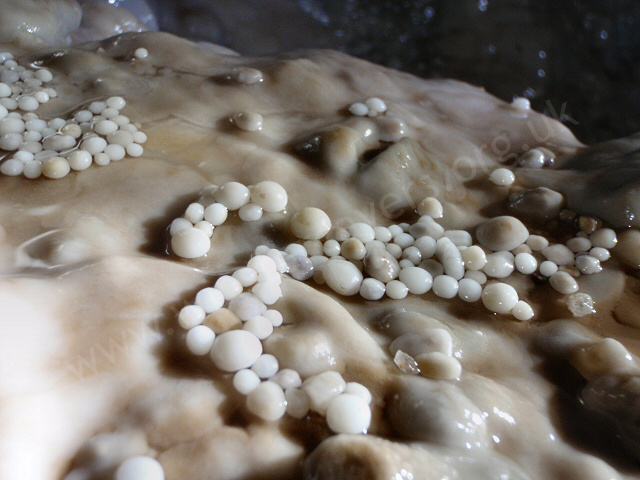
[358,109]
[600,253]
[94,144]
[534,158]
[522,311]
[363,232]
[375,105]
[394,250]
[403,240]
[287,378]
[28,103]
[139,468]
[381,265]
[229,286]
[445,286]
[274,316]
[246,75]
[297,402]
[271,196]
[141,53]
[246,306]
[579,244]
[313,247]
[426,245]
[499,297]
[372,289]
[101,159]
[342,277]
[260,326]
[247,276]
[250,212]
[558,254]
[56,167]
[430,206]
[281,265]
[12,167]
[263,264]
[200,340]
[190,316]
[438,366]
[205,226]
[499,265]
[604,238]
[412,254]
[417,280]
[322,388]
[353,249]
[331,248]
[469,290]
[210,299]
[80,159]
[266,366]
[548,268]
[588,264]
[105,127]
[348,413]
[134,150]
[476,275]
[310,223]
[502,177]
[245,380]
[563,283]
[216,214]
[300,267]
[526,263]
[396,290]
[474,258]
[232,195]
[194,213]
[248,121]
[33,169]
[190,243]
[235,350]
[502,233]
[360,390]
[179,224]
[267,401]
[382,234]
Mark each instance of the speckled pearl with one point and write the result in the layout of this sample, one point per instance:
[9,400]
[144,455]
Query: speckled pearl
[310,223]
[499,297]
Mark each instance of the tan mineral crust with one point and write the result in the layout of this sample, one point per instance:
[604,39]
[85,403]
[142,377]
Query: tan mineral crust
[94,364]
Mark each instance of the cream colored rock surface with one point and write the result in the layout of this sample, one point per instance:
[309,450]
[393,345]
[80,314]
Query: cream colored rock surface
[94,364]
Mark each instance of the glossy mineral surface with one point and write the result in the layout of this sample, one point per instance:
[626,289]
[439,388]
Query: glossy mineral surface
[95,365]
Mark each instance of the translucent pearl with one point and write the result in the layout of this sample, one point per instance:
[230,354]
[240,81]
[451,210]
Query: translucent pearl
[271,196]
[499,297]
[267,401]
[190,243]
[348,413]
[139,467]
[235,350]
[200,340]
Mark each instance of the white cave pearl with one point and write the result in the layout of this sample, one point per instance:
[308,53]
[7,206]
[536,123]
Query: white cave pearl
[310,223]
[342,277]
[235,350]
[190,243]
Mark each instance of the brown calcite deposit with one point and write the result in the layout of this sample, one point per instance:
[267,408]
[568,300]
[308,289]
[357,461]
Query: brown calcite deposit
[97,363]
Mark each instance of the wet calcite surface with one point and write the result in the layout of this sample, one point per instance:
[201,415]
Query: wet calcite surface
[95,364]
